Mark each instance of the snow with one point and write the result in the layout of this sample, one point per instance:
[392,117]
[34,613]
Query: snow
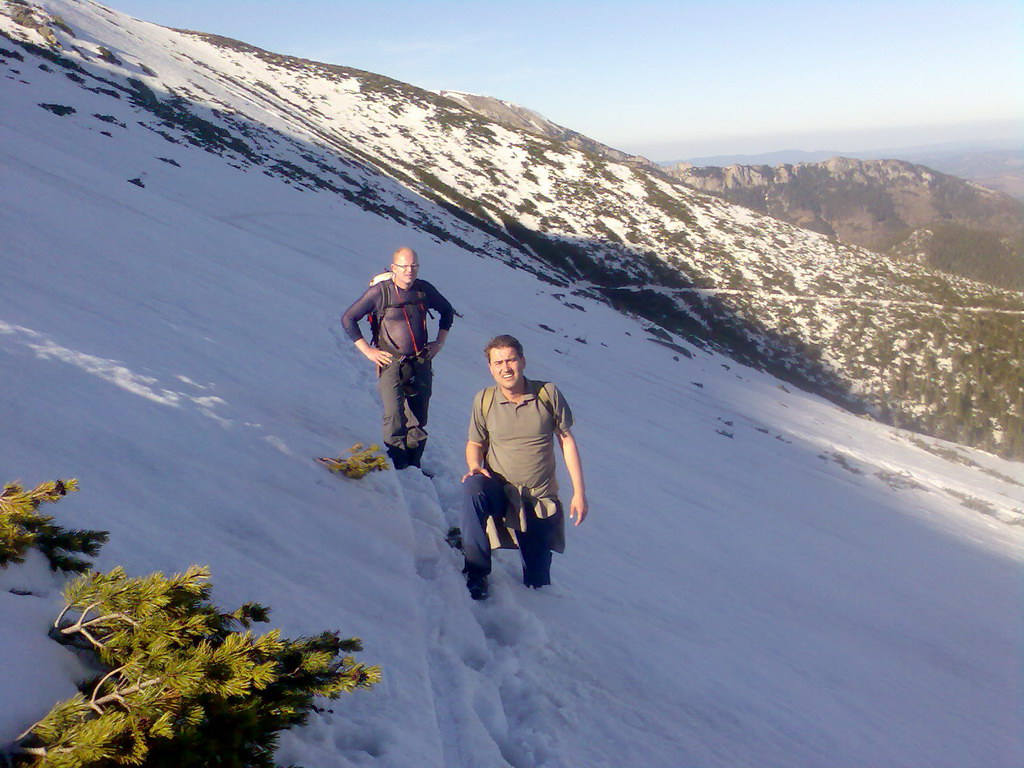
[729,602]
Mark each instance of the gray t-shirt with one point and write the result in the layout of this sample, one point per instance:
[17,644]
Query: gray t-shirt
[519,438]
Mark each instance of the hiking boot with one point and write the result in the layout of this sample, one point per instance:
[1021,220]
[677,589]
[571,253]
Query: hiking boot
[477,586]
[399,457]
[415,455]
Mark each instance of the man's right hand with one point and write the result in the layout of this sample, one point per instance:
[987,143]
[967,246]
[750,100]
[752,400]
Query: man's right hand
[475,471]
[378,356]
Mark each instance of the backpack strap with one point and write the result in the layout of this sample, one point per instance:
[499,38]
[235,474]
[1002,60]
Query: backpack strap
[377,315]
[545,398]
[486,402]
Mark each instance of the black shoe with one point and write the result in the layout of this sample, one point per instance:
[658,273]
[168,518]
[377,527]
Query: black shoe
[399,457]
[477,586]
[415,455]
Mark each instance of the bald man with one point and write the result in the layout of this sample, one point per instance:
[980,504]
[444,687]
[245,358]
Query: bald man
[402,353]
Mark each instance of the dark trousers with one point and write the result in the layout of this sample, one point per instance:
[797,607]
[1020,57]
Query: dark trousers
[484,497]
[404,386]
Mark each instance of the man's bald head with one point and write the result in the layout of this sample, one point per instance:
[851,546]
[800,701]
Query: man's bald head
[404,252]
[404,266]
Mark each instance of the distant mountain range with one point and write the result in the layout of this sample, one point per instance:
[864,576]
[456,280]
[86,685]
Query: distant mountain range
[894,206]
[997,166]
[998,169]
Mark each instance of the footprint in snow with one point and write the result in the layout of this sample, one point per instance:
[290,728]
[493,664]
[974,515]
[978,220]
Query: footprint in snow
[513,626]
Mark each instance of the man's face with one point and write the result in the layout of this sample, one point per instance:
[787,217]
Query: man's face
[507,368]
[404,267]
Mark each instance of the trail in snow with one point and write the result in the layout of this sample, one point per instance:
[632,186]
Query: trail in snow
[488,661]
[470,653]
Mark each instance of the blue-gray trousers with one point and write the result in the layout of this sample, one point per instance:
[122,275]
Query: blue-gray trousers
[404,386]
[484,497]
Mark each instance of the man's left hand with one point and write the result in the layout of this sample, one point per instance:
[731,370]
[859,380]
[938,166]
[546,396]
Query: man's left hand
[578,508]
[434,348]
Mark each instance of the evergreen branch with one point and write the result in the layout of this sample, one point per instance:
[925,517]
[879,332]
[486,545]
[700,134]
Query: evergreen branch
[85,633]
[96,690]
[90,607]
[22,528]
[28,730]
[111,617]
[119,695]
[60,617]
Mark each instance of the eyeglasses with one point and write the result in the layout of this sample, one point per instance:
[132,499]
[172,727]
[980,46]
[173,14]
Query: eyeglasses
[409,267]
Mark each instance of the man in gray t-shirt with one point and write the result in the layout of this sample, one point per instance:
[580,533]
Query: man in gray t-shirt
[510,491]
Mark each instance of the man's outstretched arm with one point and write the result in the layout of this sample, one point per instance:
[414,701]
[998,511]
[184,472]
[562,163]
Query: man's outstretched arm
[570,452]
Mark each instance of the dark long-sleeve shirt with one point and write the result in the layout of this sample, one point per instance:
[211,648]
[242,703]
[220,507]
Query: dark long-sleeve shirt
[404,327]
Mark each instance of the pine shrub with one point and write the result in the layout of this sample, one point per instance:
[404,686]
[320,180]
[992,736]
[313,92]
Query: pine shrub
[180,683]
[360,463]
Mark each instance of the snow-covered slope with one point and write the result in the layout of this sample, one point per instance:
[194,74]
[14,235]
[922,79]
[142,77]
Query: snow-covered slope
[765,580]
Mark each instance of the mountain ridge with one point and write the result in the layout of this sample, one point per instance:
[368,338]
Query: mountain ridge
[527,119]
[994,210]
[995,165]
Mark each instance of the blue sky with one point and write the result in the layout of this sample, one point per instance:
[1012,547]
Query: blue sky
[675,79]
